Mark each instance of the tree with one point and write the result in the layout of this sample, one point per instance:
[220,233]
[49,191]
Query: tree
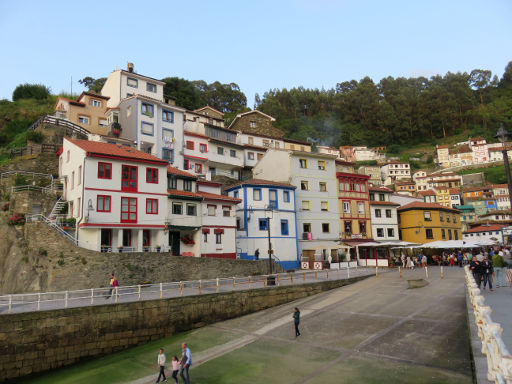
[184,91]
[92,84]
[30,91]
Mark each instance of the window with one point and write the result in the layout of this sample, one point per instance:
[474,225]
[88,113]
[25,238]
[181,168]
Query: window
[103,203]
[372,197]
[252,124]
[429,234]
[324,206]
[306,205]
[391,232]
[168,155]
[263,224]
[360,208]
[95,103]
[441,217]
[82,119]
[266,143]
[152,206]
[449,234]
[443,233]
[187,185]
[426,216]
[352,187]
[363,187]
[212,210]
[198,168]
[131,82]
[235,194]
[250,155]
[284,228]
[456,233]
[303,163]
[232,153]
[286,196]
[104,170]
[276,144]
[129,178]
[186,164]
[128,210]
[250,140]
[380,232]
[72,179]
[146,128]
[189,145]
[447,217]
[79,181]
[304,185]
[321,165]
[226,211]
[306,227]
[272,198]
[203,148]
[147,109]
[362,227]
[67,157]
[150,87]
[218,238]
[256,194]
[378,213]
[322,186]
[454,218]
[381,197]
[177,208]
[172,182]
[326,228]
[220,151]
[79,205]
[168,116]
[152,175]
[348,227]
[388,213]
[346,207]
[102,122]
[191,210]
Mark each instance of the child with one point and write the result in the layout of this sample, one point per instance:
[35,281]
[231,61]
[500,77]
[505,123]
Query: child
[175,368]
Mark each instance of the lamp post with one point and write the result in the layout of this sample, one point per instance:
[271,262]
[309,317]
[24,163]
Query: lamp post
[502,134]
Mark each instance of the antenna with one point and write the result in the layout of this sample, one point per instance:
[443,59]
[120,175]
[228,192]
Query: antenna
[71,86]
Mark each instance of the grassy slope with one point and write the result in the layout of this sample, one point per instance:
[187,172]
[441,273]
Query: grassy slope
[494,175]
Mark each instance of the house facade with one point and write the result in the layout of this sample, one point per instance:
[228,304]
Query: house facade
[492,233]
[87,111]
[266,213]
[384,216]
[395,170]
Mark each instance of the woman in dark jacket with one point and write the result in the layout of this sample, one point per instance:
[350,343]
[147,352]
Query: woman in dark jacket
[488,272]
[296,320]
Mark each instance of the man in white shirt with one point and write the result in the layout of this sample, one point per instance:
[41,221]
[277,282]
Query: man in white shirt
[186,362]
[161,364]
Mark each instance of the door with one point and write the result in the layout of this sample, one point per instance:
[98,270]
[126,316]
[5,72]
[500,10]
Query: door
[174,242]
[106,237]
[127,237]
[146,238]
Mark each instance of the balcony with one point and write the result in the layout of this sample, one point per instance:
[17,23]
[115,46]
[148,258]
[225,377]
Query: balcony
[114,129]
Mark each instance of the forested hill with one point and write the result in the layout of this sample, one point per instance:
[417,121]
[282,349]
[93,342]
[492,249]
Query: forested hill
[403,111]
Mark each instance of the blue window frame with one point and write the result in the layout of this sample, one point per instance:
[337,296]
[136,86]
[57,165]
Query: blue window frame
[272,198]
[147,128]
[263,224]
[168,116]
[235,194]
[147,109]
[284,228]
[286,196]
[256,194]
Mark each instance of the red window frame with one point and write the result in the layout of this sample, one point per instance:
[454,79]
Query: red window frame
[130,169]
[100,164]
[102,209]
[152,175]
[198,168]
[189,145]
[151,211]
[128,220]
[146,235]
[223,211]
[203,148]
[186,164]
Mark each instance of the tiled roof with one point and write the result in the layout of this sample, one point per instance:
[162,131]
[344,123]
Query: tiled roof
[114,150]
[384,203]
[454,191]
[427,193]
[93,95]
[379,189]
[179,172]
[187,133]
[422,205]
[485,228]
[498,212]
[213,196]
[261,182]
[176,192]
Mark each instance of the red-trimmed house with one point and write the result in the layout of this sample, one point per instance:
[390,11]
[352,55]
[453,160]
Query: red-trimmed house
[195,153]
[118,196]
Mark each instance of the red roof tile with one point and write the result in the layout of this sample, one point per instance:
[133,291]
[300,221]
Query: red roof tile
[114,150]
[179,172]
[384,203]
[427,193]
[262,182]
[422,205]
[187,133]
[485,228]
[379,189]
[176,192]
[213,196]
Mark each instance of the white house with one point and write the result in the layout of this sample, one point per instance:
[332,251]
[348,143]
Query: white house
[486,232]
[266,203]
[195,153]
[479,149]
[395,170]
[218,224]
[314,176]
[384,216]
[117,195]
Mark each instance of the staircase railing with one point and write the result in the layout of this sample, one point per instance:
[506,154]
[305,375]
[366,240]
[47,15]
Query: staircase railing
[52,224]
[20,188]
[52,120]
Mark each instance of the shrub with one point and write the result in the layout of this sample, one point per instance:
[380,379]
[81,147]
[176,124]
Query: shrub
[30,91]
[35,137]
[20,180]
[17,219]
[5,206]
[83,260]
[43,252]
[60,262]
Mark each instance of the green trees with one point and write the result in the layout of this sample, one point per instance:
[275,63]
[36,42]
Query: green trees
[92,84]
[30,91]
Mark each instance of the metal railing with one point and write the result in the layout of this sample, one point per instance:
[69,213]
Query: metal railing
[33,174]
[64,123]
[30,302]
[34,149]
[20,188]
[53,224]
[499,360]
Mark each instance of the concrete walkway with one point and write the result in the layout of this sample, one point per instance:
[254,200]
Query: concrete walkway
[376,330]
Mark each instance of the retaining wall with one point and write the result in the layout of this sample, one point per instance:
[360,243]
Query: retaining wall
[40,341]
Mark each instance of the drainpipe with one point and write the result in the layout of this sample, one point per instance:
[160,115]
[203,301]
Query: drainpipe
[82,207]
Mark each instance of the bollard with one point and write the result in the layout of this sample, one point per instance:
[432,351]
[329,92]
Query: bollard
[277,279]
[400,271]
[181,288]
[199,287]
[339,273]
[138,291]
[348,272]
[316,275]
[38,301]
[304,274]
[234,283]
[117,294]
[426,273]
[291,277]
[92,296]
[217,285]
[10,304]
[376,271]
[327,274]
[264,281]
[249,282]
[66,300]
[161,291]
[442,272]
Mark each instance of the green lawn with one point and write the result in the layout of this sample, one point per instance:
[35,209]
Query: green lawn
[495,175]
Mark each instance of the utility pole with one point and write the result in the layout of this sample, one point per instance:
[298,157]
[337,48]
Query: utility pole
[270,251]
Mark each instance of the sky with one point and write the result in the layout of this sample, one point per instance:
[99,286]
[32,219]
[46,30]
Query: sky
[260,45]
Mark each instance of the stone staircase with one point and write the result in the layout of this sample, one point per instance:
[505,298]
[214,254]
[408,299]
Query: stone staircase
[58,208]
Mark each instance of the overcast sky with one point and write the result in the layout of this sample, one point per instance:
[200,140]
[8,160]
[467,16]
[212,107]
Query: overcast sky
[257,44]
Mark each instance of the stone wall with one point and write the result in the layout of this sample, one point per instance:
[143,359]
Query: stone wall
[41,341]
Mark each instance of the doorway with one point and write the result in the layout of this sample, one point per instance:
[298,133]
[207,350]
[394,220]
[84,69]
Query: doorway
[174,242]
[127,237]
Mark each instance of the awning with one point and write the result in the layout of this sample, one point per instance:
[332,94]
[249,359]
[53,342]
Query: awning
[318,247]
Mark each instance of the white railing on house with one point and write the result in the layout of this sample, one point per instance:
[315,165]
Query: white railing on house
[20,188]
[499,360]
[30,302]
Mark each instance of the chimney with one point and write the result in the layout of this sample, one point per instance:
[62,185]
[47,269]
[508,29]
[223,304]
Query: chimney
[130,67]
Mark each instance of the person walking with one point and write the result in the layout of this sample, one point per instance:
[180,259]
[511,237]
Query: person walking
[459,259]
[424,261]
[112,278]
[296,321]
[186,362]
[409,261]
[161,366]
[476,269]
[498,264]
[488,272]
[403,261]
[175,368]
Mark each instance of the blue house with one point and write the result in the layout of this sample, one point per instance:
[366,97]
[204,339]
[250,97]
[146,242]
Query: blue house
[267,210]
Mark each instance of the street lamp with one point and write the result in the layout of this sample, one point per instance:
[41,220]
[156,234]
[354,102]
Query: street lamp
[502,134]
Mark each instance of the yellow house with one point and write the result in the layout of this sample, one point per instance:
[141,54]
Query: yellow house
[88,111]
[421,222]
[443,196]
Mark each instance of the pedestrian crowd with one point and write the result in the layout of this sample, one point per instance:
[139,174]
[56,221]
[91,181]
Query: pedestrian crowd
[490,266]
[178,366]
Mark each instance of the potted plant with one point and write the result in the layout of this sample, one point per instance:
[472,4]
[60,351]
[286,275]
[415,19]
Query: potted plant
[116,129]
[158,248]
[120,249]
[17,219]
